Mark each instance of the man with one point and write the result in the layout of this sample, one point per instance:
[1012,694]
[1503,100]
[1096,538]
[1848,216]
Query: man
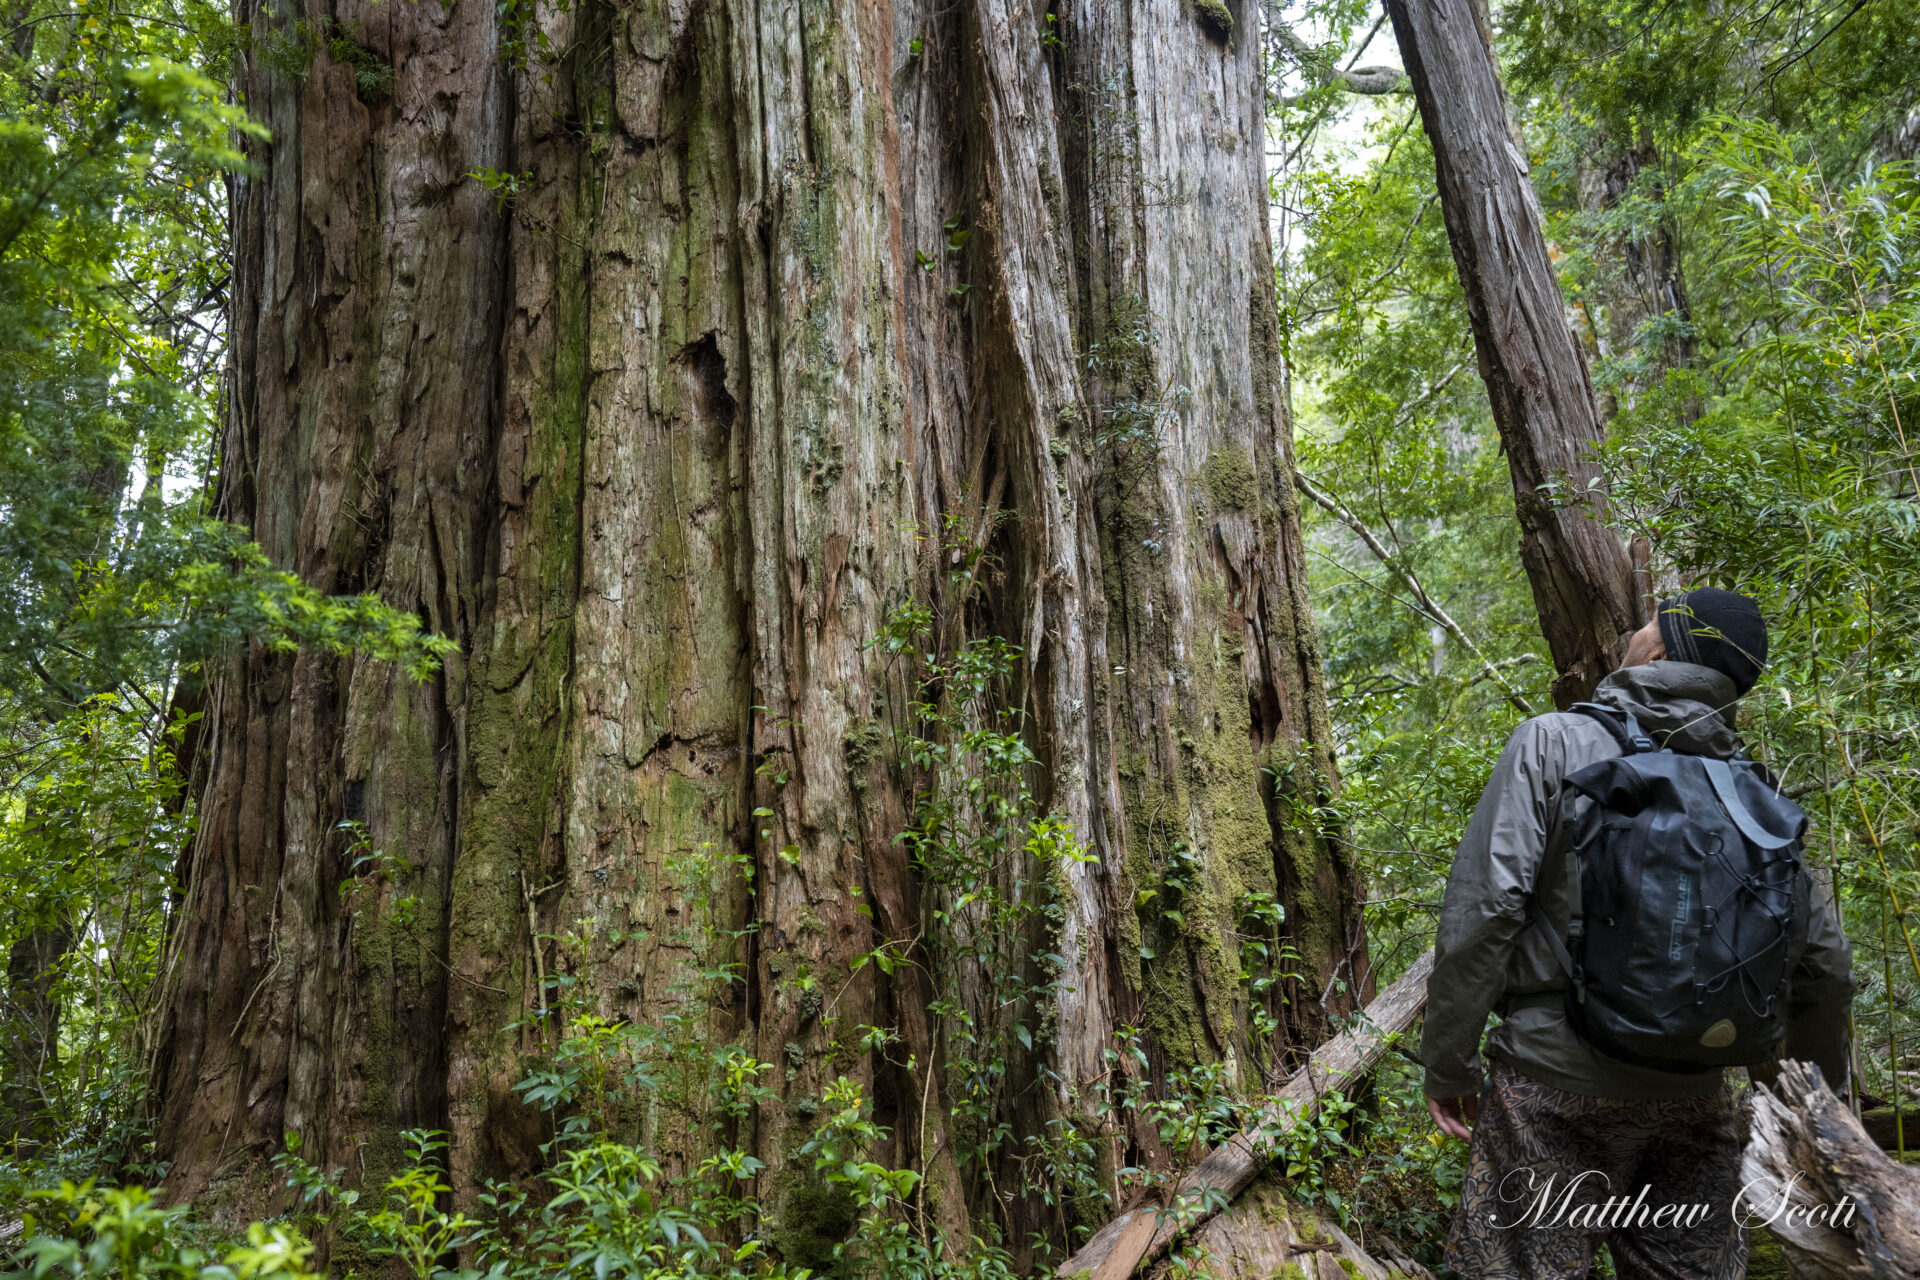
[1554,1107]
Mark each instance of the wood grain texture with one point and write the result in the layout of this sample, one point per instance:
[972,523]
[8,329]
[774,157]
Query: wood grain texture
[1118,1248]
[1805,1152]
[1533,366]
[1263,1235]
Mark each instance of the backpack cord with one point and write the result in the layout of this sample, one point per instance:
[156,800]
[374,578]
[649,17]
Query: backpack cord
[1764,894]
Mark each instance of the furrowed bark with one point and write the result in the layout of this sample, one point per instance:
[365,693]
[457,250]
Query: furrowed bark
[365,316]
[768,313]
[1535,372]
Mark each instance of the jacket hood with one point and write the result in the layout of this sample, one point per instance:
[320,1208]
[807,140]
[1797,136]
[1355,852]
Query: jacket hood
[1686,707]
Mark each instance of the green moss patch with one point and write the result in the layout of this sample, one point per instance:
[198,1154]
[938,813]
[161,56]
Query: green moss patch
[1215,19]
[814,1218]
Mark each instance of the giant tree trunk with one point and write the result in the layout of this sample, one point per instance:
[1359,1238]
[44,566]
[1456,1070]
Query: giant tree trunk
[1535,372]
[766,318]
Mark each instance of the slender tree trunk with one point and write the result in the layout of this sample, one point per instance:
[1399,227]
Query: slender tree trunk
[1640,278]
[1640,296]
[767,320]
[1535,371]
[30,1030]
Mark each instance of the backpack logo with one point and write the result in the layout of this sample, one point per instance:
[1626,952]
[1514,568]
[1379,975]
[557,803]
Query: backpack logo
[1682,910]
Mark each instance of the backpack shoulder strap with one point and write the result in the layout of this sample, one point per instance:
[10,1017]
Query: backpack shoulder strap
[1620,723]
[1632,740]
[1720,774]
[1562,859]
[1538,916]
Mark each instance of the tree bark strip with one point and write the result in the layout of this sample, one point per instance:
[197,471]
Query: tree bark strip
[1534,369]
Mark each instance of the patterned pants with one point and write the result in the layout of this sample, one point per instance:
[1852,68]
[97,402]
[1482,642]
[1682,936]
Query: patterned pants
[1552,1174]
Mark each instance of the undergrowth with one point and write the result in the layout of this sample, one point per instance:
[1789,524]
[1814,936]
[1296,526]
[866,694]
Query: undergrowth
[617,1192]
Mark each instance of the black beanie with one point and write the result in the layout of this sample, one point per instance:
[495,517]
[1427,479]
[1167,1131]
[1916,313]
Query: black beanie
[1720,629]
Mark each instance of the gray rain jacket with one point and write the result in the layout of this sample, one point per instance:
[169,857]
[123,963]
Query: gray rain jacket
[1487,953]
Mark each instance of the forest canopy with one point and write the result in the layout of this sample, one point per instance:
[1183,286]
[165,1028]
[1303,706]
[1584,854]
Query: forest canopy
[662,639]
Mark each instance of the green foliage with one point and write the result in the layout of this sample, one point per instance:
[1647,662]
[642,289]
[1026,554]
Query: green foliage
[505,186]
[411,1228]
[90,826]
[116,585]
[1394,432]
[372,74]
[119,1233]
[1837,75]
[111,240]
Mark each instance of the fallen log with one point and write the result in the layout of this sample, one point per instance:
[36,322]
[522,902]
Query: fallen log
[1265,1234]
[1837,1204]
[1144,1233]
[1892,1129]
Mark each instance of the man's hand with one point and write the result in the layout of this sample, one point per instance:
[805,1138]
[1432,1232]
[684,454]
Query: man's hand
[1455,1116]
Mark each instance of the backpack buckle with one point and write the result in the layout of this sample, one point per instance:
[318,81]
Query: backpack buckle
[1621,723]
[1639,737]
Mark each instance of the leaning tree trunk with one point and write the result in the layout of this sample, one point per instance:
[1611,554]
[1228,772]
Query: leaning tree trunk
[658,353]
[1535,372]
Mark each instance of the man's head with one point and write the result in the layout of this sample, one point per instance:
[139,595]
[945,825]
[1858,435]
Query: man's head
[1709,628]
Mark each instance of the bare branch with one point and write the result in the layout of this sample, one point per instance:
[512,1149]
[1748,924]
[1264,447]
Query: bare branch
[1428,605]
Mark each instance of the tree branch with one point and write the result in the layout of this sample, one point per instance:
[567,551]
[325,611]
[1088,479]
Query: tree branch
[1428,605]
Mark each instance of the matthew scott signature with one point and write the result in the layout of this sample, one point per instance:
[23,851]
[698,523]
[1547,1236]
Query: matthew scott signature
[1549,1202]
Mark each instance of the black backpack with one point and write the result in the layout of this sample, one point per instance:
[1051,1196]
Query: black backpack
[1689,909]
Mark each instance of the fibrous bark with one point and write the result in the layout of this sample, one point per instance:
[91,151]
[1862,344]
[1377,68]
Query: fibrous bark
[756,321]
[1535,372]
